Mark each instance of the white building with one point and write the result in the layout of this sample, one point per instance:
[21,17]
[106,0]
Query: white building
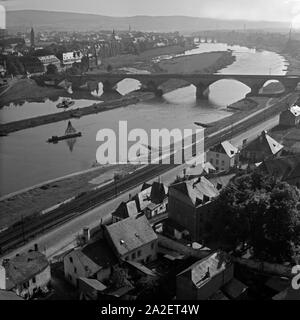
[223,156]
[71,57]
[50,59]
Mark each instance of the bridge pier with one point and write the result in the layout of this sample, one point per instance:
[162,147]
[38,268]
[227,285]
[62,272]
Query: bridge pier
[108,87]
[200,92]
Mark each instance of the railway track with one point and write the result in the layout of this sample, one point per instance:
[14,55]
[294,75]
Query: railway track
[28,229]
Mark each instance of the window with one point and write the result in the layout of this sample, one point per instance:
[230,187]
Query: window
[139,253]
[217,155]
[75,270]
[126,258]
[33,280]
[211,161]
[223,162]
[133,256]
[71,259]
[152,245]
[217,162]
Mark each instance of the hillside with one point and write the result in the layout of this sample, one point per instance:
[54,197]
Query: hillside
[50,20]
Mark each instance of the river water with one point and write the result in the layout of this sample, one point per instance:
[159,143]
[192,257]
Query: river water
[26,159]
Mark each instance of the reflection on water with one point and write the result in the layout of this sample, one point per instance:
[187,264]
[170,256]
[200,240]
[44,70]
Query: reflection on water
[26,158]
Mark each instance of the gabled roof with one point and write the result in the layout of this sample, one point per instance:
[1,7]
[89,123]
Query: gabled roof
[264,143]
[204,270]
[130,234]
[197,189]
[126,209]
[227,148]
[100,253]
[23,267]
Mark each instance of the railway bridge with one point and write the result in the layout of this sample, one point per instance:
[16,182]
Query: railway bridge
[152,82]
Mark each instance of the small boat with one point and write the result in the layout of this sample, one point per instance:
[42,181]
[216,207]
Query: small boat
[69,134]
[55,139]
[66,103]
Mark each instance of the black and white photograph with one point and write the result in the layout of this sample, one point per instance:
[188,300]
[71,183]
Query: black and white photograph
[149,153]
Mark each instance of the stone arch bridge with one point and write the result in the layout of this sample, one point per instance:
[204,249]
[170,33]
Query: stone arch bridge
[152,82]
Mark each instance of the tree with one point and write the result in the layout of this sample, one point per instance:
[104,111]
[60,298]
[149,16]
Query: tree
[52,69]
[262,212]
[85,64]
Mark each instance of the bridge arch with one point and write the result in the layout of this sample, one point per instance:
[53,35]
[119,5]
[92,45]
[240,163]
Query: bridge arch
[272,87]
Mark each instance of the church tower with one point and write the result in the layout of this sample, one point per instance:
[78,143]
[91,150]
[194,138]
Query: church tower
[32,38]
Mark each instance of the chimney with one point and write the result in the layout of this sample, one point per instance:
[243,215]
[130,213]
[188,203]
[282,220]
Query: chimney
[86,234]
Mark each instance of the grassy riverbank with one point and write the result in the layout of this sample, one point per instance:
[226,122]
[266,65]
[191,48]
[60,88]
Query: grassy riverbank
[45,195]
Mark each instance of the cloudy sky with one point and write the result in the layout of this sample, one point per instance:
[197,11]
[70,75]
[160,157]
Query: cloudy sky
[276,10]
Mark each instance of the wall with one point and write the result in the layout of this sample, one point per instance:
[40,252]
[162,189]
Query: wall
[212,157]
[2,278]
[148,252]
[37,282]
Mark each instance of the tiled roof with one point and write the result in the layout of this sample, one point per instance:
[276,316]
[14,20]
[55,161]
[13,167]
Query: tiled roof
[264,143]
[130,234]
[100,253]
[197,189]
[126,209]
[23,267]
[205,269]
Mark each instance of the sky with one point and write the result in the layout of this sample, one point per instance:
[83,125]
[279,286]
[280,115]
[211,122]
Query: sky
[272,10]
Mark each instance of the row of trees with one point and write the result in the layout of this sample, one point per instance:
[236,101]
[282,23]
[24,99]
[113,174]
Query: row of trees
[262,212]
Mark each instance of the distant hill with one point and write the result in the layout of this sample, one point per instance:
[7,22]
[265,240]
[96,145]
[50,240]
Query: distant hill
[66,21]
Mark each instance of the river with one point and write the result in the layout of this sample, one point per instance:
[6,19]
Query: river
[26,159]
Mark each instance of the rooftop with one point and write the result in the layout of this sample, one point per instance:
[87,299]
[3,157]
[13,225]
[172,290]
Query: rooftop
[227,148]
[130,234]
[198,190]
[264,143]
[207,268]
[23,267]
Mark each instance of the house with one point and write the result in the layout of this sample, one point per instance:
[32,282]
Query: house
[125,210]
[223,156]
[209,279]
[196,171]
[152,200]
[284,168]
[93,260]
[25,274]
[191,205]
[261,148]
[50,59]
[133,239]
[290,117]
[71,57]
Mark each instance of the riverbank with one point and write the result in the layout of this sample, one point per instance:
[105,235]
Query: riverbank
[208,62]
[48,194]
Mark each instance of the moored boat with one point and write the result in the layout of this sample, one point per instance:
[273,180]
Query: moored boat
[66,103]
